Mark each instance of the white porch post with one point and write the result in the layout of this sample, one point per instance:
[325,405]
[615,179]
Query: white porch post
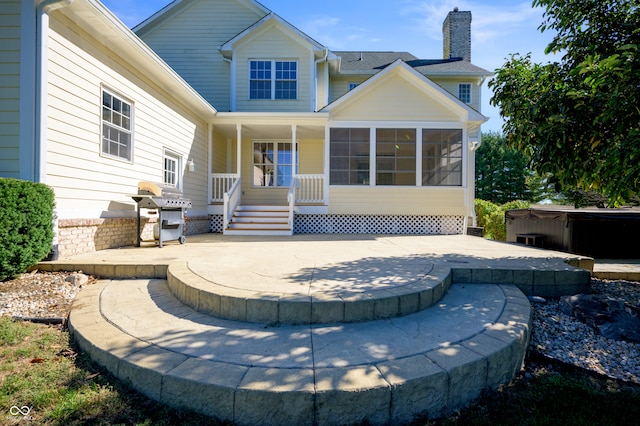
[372,156]
[294,148]
[209,166]
[327,160]
[239,150]
[419,156]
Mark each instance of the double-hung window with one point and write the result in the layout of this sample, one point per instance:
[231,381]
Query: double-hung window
[117,134]
[464,92]
[273,80]
[171,171]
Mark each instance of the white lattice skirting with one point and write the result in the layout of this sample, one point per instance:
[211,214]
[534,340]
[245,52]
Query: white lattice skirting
[368,224]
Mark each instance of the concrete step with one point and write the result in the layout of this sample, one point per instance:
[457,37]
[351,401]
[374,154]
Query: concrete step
[322,297]
[246,219]
[260,220]
[238,231]
[377,372]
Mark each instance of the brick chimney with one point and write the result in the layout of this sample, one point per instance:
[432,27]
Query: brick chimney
[456,35]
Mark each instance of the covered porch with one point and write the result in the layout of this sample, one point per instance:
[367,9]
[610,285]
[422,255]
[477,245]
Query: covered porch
[270,163]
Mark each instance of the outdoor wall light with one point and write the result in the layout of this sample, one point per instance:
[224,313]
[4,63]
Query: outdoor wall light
[191,165]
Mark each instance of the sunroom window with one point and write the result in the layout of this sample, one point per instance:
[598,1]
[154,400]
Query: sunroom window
[349,152]
[396,157]
[441,157]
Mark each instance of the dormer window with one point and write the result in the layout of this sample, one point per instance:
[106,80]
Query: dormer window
[273,80]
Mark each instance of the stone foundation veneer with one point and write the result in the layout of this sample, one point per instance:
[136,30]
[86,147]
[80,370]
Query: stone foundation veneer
[79,236]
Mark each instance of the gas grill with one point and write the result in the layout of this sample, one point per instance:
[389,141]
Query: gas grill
[168,201]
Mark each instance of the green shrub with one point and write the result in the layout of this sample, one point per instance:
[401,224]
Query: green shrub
[495,228]
[517,204]
[483,210]
[26,225]
[491,217]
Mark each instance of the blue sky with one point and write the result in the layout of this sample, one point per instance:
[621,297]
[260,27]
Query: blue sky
[499,28]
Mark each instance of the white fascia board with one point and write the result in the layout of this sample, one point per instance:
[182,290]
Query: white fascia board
[284,26]
[272,118]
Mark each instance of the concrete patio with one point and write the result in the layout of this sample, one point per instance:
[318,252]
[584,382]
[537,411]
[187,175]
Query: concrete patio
[316,329]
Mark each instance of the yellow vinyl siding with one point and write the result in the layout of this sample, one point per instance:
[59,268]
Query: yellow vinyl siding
[396,99]
[219,155]
[273,44]
[85,180]
[384,200]
[311,157]
[9,89]
[190,42]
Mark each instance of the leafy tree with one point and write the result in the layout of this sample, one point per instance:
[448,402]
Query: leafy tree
[579,118]
[503,173]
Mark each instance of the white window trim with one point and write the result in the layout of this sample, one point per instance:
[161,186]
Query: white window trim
[131,121]
[470,92]
[273,79]
[167,153]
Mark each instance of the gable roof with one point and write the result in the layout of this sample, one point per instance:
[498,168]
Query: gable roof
[178,6]
[270,19]
[369,63]
[399,67]
[104,26]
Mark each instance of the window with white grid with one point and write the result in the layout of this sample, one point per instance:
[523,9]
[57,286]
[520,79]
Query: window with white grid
[117,134]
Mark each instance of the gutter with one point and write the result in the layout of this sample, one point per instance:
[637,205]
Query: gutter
[42,71]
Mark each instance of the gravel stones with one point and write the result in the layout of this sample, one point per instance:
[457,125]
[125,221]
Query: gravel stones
[41,295]
[562,337]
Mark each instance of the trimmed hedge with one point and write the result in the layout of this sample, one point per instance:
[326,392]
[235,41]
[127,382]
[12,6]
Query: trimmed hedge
[26,225]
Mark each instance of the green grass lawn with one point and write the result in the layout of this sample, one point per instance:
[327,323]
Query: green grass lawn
[40,369]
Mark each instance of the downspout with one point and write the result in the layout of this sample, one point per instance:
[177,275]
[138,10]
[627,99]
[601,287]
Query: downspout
[41,83]
[473,147]
[232,82]
[315,70]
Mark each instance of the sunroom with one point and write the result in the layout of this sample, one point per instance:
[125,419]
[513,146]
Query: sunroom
[395,155]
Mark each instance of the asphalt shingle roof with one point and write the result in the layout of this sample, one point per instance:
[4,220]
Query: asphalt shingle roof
[367,62]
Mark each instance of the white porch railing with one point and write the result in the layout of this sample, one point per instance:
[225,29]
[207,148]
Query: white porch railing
[220,184]
[231,202]
[310,189]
